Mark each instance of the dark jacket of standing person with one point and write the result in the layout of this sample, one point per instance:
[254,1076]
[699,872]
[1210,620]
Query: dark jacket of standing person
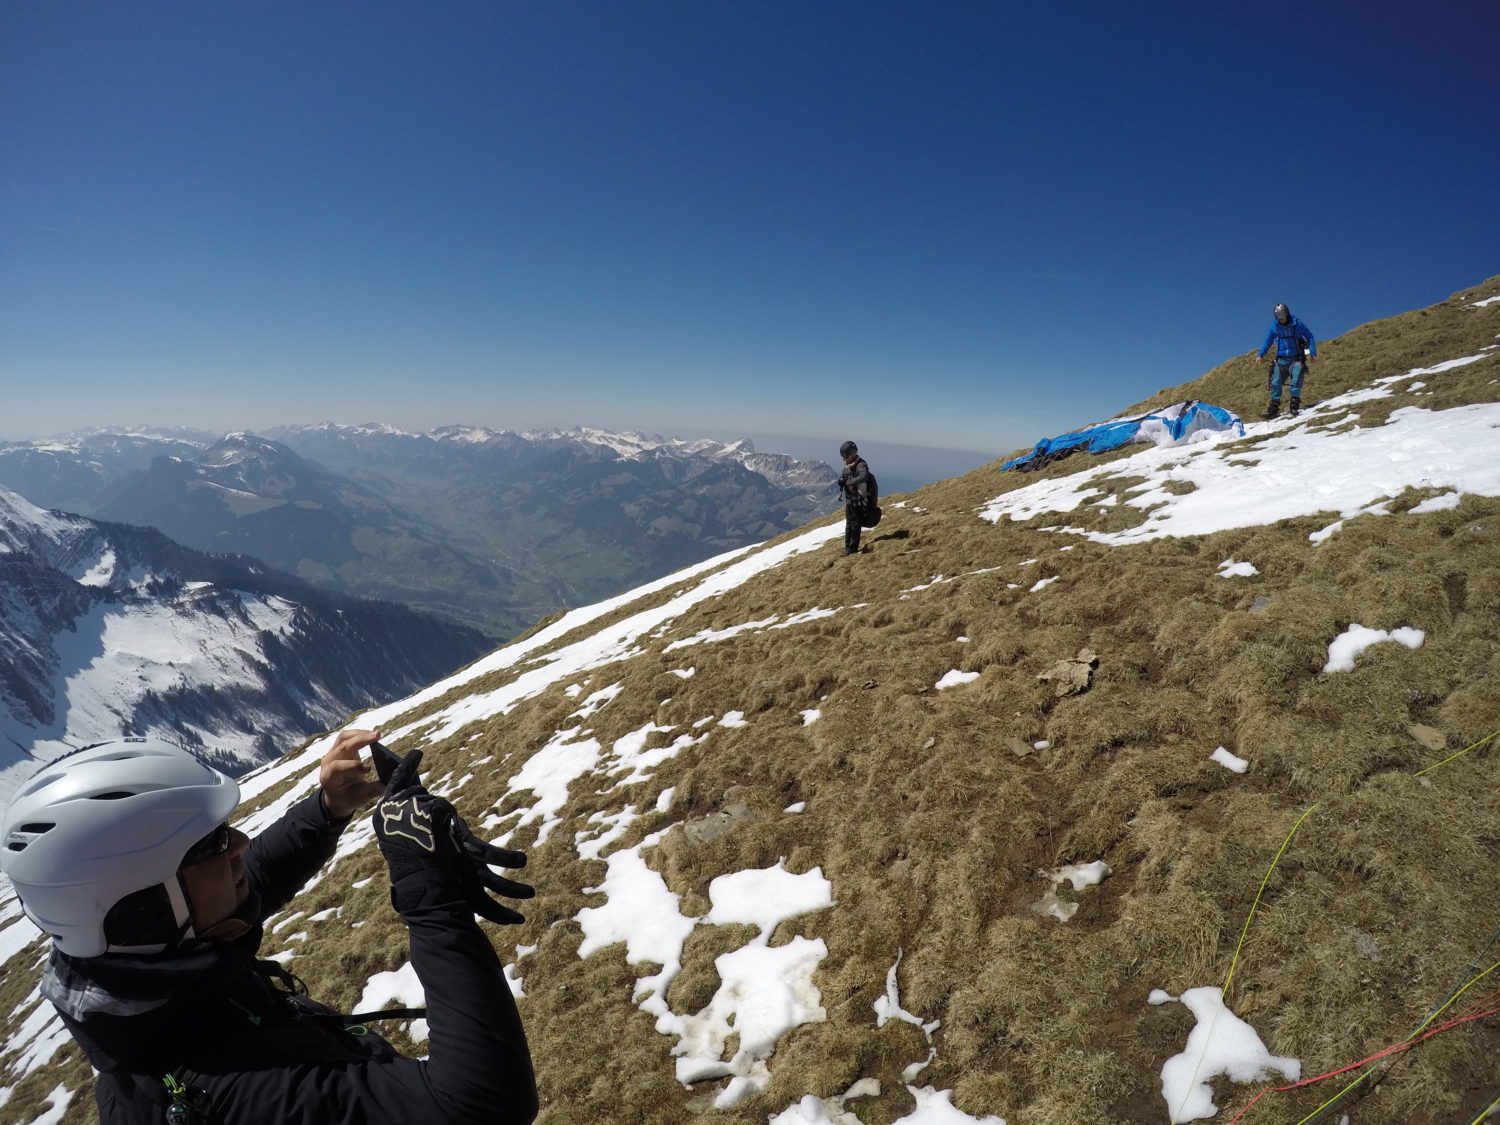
[854,487]
[154,965]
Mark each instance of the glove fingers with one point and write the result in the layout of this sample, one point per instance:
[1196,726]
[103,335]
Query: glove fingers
[405,774]
[477,850]
[503,886]
[492,911]
[491,856]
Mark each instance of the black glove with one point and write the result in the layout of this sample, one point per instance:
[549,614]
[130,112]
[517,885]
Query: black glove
[433,855]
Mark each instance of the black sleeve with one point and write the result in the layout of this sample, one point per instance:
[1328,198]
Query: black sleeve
[478,1070]
[479,1065]
[281,860]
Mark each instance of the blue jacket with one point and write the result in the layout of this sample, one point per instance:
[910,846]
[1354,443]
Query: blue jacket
[1290,339]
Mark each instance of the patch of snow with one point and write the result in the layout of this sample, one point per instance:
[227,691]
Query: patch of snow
[1229,761]
[40,1036]
[1081,875]
[1220,1043]
[709,636]
[1355,639]
[1231,569]
[764,991]
[614,825]
[99,571]
[548,773]
[1323,533]
[955,677]
[399,988]
[1441,503]
[1298,473]
[60,1100]
[597,700]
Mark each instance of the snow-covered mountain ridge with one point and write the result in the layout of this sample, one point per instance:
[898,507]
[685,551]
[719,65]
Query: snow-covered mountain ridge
[107,628]
[488,528]
[784,471]
[1115,793]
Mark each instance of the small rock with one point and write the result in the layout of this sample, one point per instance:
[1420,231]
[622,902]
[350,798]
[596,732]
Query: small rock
[1430,738]
[1069,677]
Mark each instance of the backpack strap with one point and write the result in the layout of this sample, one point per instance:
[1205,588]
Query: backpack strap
[387,1014]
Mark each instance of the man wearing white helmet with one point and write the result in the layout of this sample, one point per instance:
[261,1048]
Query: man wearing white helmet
[123,853]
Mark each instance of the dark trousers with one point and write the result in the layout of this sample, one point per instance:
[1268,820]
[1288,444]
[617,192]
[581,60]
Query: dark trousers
[852,514]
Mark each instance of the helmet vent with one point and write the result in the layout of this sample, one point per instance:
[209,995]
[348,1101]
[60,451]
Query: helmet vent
[22,835]
[116,795]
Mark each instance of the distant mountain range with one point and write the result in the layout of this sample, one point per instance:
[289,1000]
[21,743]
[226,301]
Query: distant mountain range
[493,529]
[108,629]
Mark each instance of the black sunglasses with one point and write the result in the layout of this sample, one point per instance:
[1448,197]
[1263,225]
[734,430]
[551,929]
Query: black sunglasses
[216,843]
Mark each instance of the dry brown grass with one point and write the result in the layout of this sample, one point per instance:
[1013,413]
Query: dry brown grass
[934,813]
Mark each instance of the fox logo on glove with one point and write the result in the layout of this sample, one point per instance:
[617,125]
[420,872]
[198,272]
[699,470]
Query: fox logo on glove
[408,818]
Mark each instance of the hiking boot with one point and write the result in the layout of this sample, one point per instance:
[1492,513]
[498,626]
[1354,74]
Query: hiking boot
[1272,410]
[1296,407]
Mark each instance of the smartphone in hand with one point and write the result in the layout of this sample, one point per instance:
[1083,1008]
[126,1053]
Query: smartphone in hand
[384,761]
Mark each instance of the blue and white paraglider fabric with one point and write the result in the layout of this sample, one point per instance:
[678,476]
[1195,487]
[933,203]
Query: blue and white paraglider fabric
[1178,424]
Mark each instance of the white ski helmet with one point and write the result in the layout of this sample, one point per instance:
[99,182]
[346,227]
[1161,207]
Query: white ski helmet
[103,823]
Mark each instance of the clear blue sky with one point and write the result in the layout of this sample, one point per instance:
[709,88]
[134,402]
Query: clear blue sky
[962,225]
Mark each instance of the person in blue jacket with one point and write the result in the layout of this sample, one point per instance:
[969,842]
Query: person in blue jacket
[1295,349]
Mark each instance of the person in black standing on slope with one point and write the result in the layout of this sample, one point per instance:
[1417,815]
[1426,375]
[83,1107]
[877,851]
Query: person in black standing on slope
[854,487]
[122,852]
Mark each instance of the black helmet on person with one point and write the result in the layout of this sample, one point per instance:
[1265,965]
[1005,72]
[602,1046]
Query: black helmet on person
[1283,314]
[847,448]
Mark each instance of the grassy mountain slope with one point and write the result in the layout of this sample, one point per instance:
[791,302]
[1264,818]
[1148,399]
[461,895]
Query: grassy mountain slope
[698,711]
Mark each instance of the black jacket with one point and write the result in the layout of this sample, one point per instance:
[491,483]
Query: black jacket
[854,483]
[257,1054]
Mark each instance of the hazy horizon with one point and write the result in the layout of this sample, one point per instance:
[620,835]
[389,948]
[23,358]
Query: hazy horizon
[895,463]
[955,226]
